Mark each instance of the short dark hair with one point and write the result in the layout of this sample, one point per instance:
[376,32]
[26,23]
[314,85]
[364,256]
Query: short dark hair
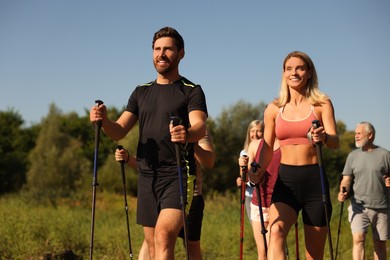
[169,32]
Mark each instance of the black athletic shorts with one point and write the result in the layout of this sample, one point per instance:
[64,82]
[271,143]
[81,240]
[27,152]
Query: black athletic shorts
[300,187]
[194,219]
[155,194]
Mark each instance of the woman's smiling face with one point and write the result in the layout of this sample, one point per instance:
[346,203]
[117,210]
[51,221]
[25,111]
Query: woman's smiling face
[296,73]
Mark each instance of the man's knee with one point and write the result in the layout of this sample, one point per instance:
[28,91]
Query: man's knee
[165,237]
[359,238]
[162,235]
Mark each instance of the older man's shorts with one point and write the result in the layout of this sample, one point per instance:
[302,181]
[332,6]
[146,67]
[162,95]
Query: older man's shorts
[362,218]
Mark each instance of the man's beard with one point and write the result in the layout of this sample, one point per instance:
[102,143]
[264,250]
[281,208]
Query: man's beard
[361,143]
[163,70]
[166,70]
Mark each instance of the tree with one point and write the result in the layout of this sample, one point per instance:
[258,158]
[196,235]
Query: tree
[334,159]
[15,144]
[62,160]
[110,174]
[57,164]
[83,130]
[228,132]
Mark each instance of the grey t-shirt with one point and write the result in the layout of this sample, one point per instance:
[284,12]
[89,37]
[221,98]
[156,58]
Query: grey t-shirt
[367,169]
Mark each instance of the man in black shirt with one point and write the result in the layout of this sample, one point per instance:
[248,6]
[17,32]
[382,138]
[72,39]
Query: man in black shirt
[152,105]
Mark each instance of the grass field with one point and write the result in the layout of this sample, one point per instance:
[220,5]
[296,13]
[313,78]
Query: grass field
[37,232]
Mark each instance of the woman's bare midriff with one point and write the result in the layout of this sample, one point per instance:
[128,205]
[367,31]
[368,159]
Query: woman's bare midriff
[298,154]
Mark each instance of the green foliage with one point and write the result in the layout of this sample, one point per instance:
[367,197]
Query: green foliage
[67,141]
[36,231]
[30,231]
[15,144]
[56,164]
[111,177]
[229,132]
[81,129]
[111,173]
[334,159]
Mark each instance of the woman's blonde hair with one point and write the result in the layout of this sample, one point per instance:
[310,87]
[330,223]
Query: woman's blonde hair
[252,124]
[313,94]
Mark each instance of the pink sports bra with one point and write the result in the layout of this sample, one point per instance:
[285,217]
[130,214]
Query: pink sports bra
[293,131]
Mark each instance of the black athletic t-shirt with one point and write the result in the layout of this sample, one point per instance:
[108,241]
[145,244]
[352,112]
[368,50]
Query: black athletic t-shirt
[154,104]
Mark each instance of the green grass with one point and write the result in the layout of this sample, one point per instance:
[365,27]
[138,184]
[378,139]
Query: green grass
[37,232]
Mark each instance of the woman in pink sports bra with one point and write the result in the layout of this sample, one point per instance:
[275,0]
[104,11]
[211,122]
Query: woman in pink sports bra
[298,187]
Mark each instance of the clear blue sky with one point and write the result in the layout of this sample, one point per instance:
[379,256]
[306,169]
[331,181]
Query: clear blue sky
[75,51]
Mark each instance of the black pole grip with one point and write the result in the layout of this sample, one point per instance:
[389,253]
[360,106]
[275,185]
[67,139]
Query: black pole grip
[120,147]
[254,166]
[98,103]
[175,120]
[316,123]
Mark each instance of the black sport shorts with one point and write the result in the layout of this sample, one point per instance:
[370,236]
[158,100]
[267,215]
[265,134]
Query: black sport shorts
[155,194]
[194,219]
[300,187]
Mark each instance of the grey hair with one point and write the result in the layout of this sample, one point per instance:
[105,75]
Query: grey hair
[369,128]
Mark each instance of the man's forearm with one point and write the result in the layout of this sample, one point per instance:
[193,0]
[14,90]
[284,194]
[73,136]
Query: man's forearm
[196,132]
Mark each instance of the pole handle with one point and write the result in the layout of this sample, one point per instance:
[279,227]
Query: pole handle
[176,120]
[98,102]
[120,147]
[315,124]
[344,190]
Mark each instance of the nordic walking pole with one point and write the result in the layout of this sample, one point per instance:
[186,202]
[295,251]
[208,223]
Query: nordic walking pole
[122,162]
[315,124]
[175,120]
[98,126]
[338,230]
[296,241]
[242,216]
[264,231]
